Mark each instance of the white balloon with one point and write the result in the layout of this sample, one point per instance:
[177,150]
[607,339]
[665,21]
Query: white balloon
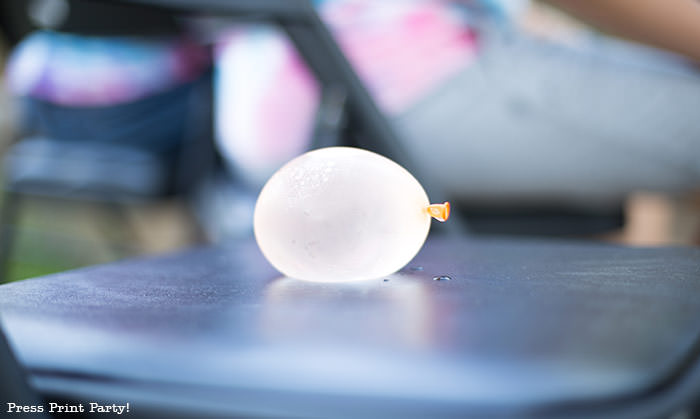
[341,214]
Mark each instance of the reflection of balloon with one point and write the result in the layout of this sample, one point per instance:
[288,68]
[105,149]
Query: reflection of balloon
[302,312]
[342,213]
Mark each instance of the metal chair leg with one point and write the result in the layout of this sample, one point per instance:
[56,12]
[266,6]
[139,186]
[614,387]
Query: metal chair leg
[9,212]
[330,118]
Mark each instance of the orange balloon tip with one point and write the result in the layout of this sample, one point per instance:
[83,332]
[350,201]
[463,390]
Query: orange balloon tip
[440,212]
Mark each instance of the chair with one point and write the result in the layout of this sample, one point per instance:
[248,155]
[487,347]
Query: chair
[360,119]
[107,173]
[106,169]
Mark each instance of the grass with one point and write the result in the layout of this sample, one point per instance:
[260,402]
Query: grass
[53,236]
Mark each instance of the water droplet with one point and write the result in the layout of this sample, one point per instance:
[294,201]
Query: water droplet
[416,268]
[441,278]
[386,280]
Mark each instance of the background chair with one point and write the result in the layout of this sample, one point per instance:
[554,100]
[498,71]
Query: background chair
[57,156]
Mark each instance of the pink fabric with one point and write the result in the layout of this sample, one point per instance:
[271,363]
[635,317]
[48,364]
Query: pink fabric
[84,71]
[290,112]
[265,102]
[401,49]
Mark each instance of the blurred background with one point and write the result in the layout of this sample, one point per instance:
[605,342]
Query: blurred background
[127,131]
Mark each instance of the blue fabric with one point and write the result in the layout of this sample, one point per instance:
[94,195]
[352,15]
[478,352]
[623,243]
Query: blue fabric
[157,123]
